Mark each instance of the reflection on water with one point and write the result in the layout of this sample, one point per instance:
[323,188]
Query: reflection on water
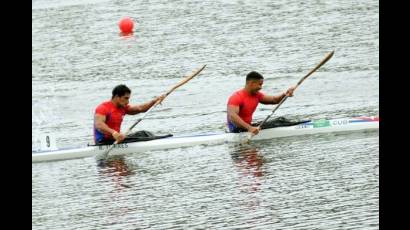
[248,158]
[126,35]
[252,182]
[249,161]
[116,168]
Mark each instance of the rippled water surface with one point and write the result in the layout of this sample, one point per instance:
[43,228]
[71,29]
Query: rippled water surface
[327,181]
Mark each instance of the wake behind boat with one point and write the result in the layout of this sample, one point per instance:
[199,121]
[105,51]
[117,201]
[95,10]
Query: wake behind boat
[308,127]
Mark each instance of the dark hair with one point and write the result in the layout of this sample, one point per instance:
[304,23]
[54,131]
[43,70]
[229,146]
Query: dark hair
[254,76]
[120,90]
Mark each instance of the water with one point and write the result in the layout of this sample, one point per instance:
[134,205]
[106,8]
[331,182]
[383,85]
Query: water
[311,182]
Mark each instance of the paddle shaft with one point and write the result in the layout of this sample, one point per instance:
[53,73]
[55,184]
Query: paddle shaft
[105,154]
[328,56]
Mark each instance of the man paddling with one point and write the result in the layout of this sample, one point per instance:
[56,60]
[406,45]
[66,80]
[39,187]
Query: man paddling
[242,103]
[109,115]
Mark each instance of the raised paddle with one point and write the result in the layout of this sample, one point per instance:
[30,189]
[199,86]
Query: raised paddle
[328,56]
[185,80]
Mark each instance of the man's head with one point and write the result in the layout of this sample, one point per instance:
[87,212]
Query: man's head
[121,95]
[254,82]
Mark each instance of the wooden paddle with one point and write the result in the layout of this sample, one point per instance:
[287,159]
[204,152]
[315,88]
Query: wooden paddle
[328,56]
[185,80]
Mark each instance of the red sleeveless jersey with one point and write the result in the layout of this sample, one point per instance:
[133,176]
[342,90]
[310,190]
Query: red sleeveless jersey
[113,118]
[247,103]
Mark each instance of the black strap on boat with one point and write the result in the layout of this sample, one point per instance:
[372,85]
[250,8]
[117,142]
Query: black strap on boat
[279,122]
[142,135]
[273,123]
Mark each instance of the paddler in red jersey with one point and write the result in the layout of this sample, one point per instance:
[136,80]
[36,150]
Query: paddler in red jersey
[242,103]
[109,115]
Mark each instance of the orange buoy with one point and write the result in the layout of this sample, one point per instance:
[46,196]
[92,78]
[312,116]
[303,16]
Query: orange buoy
[126,24]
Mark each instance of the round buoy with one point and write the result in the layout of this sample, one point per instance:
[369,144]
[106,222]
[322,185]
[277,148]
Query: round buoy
[126,24]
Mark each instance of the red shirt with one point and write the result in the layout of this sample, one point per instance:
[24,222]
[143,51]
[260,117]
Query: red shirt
[113,118]
[247,103]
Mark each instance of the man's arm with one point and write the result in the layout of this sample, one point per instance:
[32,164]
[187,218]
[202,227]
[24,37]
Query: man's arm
[142,108]
[268,99]
[233,116]
[276,99]
[135,109]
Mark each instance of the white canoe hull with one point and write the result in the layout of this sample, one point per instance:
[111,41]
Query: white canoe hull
[322,126]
